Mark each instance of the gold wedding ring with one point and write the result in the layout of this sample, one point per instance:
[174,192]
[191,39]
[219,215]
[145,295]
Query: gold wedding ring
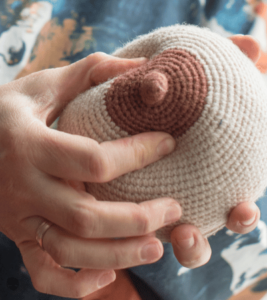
[42,229]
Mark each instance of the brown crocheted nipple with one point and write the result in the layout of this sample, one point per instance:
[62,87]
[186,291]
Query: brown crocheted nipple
[167,94]
[154,88]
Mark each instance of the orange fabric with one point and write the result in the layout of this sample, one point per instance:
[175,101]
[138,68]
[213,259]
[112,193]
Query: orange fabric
[261,11]
[249,294]
[54,43]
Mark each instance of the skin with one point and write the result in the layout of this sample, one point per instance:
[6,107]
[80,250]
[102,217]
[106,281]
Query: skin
[123,289]
[40,171]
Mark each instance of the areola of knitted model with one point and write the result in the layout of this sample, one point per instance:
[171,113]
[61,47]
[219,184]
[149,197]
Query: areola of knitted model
[200,88]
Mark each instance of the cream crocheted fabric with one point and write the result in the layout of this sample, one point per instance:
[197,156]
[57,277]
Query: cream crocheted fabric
[199,87]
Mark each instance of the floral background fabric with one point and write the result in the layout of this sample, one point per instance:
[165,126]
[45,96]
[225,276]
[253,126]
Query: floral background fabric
[36,35]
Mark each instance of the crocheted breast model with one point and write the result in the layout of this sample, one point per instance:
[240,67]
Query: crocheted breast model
[204,91]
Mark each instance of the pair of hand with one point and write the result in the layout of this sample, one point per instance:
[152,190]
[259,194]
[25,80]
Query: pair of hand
[39,165]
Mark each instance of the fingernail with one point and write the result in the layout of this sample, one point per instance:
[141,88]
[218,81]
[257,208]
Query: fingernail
[150,252]
[172,214]
[249,222]
[106,278]
[166,146]
[186,244]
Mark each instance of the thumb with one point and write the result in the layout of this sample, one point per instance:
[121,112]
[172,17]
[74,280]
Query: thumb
[53,89]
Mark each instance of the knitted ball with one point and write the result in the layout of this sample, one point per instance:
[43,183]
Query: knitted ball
[204,91]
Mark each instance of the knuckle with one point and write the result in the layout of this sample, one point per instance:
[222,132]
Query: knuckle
[83,222]
[36,138]
[99,167]
[140,154]
[98,56]
[44,143]
[12,146]
[141,218]
[58,253]
[118,258]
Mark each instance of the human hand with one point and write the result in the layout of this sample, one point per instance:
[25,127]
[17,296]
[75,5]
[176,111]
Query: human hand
[193,250]
[36,164]
[121,289]
[197,255]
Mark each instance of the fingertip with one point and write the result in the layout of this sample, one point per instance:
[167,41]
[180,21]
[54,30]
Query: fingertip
[140,59]
[106,278]
[243,218]
[191,249]
[50,278]
[183,237]
[95,58]
[166,146]
[134,153]
[110,66]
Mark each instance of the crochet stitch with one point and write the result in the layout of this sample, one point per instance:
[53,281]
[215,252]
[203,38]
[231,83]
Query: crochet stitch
[207,93]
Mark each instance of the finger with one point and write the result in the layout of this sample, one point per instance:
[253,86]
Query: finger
[79,158]
[52,89]
[115,291]
[191,249]
[48,277]
[80,76]
[70,251]
[243,218]
[82,215]
[77,185]
[112,67]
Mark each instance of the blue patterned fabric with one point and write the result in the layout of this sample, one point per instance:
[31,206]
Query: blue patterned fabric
[171,281]
[104,25]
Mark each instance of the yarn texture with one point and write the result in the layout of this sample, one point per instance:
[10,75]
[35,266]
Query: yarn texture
[204,91]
